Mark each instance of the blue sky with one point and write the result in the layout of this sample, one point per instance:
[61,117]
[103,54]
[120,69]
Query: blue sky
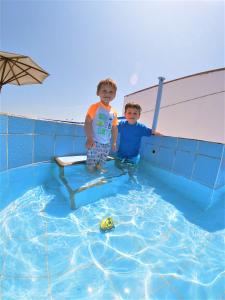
[82,42]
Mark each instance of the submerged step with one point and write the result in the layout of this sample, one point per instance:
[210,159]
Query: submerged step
[82,187]
[95,190]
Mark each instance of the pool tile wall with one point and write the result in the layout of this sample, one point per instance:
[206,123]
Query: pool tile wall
[200,161]
[3,124]
[221,175]
[25,141]
[3,154]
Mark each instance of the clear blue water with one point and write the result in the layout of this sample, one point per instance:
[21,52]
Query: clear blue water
[164,245]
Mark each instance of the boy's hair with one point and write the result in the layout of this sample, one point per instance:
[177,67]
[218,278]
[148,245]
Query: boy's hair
[108,81]
[133,105]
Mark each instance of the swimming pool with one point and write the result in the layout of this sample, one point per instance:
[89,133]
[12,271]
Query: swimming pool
[164,245]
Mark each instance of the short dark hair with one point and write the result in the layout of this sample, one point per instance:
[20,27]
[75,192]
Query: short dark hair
[133,105]
[106,81]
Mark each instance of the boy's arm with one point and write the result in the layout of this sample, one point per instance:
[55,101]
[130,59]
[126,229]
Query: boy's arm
[88,131]
[114,137]
[156,132]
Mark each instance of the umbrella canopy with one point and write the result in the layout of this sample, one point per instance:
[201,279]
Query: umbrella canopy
[19,69]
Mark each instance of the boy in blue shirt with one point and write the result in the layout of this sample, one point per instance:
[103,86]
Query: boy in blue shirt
[131,133]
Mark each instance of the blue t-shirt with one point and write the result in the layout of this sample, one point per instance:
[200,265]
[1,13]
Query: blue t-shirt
[130,138]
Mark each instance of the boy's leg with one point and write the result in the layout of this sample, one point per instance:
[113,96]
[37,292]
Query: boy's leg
[92,158]
[104,152]
[134,160]
[129,165]
[119,163]
[133,165]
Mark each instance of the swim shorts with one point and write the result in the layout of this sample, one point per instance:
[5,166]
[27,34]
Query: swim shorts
[98,154]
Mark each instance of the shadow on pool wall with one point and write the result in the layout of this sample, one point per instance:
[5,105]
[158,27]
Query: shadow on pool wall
[186,196]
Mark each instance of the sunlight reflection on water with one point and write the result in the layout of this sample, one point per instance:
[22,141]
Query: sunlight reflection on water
[158,250]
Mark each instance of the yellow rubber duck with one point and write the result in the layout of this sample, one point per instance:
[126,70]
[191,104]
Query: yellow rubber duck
[107,224]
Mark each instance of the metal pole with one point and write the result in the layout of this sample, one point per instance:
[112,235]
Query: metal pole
[157,104]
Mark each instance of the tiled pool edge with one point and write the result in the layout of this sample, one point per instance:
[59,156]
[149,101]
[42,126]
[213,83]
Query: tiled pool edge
[198,161]
[192,191]
[25,141]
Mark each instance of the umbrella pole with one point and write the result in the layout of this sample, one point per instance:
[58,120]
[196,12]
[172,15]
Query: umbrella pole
[157,105]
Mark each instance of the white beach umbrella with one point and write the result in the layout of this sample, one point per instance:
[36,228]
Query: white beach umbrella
[19,69]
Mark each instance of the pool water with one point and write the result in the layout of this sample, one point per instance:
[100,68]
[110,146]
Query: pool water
[162,247]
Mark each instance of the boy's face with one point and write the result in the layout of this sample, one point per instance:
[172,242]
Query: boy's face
[132,115]
[106,93]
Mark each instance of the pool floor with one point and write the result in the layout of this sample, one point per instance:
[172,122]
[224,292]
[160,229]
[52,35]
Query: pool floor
[162,247]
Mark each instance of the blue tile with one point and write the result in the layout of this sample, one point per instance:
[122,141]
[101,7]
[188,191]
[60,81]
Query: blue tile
[2,243]
[43,148]
[3,152]
[144,144]
[187,145]
[22,287]
[25,257]
[221,179]
[20,125]
[150,152]
[29,224]
[168,141]
[183,163]
[206,170]
[221,176]
[80,279]
[210,149]
[3,124]
[45,127]
[165,157]
[79,130]
[59,262]
[157,140]
[64,145]
[147,139]
[19,150]
[79,145]
[65,129]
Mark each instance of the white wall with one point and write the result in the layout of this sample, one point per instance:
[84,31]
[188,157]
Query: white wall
[191,107]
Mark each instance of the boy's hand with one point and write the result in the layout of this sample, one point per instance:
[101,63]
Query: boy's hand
[114,148]
[156,132]
[90,143]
